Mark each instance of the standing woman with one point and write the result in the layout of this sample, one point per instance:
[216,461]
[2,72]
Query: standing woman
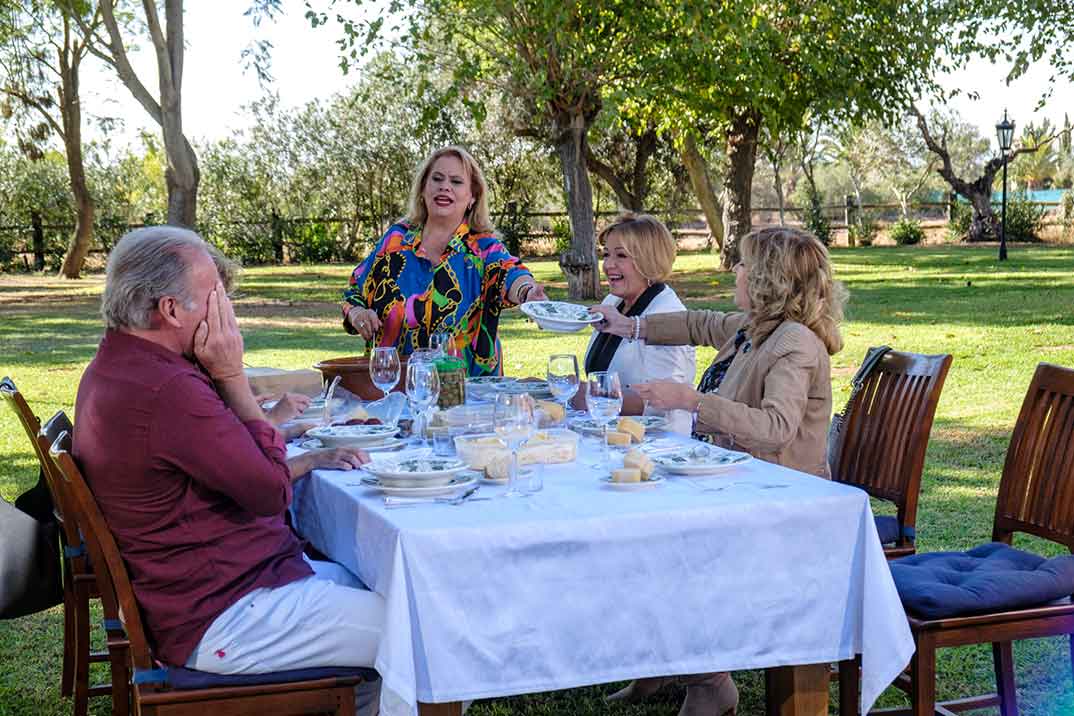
[440,269]
[639,253]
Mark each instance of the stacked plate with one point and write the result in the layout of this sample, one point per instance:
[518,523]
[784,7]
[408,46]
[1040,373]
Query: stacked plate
[536,388]
[589,426]
[558,316]
[418,476]
[483,387]
[700,460]
[366,437]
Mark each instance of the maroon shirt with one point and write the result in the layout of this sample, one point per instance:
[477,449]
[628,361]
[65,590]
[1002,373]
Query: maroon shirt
[194,496]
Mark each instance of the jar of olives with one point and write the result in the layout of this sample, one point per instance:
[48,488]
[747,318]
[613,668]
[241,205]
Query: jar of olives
[452,373]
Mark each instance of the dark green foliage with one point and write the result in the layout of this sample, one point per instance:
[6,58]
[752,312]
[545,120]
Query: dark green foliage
[906,232]
[815,220]
[1025,220]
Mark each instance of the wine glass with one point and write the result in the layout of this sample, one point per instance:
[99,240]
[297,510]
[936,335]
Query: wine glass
[604,398]
[423,389]
[514,425]
[563,378]
[384,368]
[422,355]
[441,344]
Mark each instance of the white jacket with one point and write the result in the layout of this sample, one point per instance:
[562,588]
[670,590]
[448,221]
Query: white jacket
[637,362]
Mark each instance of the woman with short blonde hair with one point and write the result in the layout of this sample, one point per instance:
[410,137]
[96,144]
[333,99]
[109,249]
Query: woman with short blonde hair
[773,374]
[638,255]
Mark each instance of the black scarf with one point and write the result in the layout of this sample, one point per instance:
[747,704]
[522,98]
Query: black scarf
[604,347]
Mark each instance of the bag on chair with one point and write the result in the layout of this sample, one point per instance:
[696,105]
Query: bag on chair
[31,571]
[839,420]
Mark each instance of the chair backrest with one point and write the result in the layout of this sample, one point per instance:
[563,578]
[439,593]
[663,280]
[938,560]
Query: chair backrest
[113,582]
[884,443]
[32,425]
[1036,493]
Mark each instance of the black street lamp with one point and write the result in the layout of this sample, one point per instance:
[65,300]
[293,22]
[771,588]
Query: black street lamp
[1005,134]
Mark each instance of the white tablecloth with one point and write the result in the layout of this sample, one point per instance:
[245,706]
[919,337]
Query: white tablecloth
[583,584]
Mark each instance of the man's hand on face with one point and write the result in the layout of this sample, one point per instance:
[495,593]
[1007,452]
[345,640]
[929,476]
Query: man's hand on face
[218,341]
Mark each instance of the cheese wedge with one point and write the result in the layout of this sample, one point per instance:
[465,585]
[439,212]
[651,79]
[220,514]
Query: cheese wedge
[632,428]
[640,461]
[359,413]
[617,438]
[626,474]
[554,411]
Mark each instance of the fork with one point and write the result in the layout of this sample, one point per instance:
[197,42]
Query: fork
[396,502]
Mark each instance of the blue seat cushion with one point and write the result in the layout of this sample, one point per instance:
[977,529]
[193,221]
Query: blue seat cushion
[179,677]
[988,578]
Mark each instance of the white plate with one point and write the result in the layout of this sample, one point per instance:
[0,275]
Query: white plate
[352,435]
[653,481]
[427,469]
[536,388]
[314,411]
[589,426]
[559,316]
[389,445]
[457,485]
[700,460]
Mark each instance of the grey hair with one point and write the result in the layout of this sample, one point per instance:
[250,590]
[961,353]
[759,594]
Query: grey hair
[148,264]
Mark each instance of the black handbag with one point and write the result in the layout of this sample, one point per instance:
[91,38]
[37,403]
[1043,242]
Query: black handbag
[839,420]
[31,568]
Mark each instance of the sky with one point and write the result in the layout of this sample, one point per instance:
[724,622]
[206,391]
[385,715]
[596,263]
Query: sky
[305,66]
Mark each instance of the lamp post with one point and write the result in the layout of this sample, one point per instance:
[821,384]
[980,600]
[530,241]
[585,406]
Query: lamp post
[1005,134]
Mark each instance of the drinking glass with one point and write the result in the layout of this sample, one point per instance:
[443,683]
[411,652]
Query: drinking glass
[563,378]
[384,368]
[422,388]
[604,399]
[514,425]
[442,344]
[422,355]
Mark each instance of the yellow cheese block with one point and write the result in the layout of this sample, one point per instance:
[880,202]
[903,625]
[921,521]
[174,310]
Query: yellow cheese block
[632,428]
[359,413]
[617,438]
[626,474]
[641,462]
[554,411]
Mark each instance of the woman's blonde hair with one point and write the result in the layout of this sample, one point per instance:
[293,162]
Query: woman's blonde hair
[790,279]
[478,215]
[646,240]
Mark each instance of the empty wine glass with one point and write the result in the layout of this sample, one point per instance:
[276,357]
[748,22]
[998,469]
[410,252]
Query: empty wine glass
[514,425]
[604,398]
[422,355]
[423,389]
[384,368]
[563,378]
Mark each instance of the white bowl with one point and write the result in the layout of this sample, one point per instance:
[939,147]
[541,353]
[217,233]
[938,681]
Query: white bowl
[559,316]
[352,435]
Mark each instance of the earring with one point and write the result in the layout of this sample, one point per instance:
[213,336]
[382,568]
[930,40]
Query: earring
[648,282]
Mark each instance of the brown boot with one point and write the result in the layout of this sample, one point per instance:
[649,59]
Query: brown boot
[709,695]
[639,689]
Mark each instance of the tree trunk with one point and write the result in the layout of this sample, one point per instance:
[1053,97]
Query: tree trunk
[742,156]
[984,226]
[71,114]
[182,174]
[703,189]
[779,193]
[579,264]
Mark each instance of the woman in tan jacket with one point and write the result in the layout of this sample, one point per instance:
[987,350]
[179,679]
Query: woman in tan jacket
[769,386]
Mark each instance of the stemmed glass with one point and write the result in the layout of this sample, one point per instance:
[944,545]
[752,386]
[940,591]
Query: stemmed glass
[423,389]
[563,378]
[514,425]
[604,398]
[384,368]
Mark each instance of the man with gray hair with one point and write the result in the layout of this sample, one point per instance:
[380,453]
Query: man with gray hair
[194,482]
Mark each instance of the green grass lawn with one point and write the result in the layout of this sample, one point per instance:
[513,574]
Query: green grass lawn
[997,320]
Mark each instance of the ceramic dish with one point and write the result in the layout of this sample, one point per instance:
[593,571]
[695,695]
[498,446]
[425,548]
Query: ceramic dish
[352,435]
[536,388]
[700,460]
[653,481]
[315,410]
[589,426]
[416,471]
[483,387]
[458,484]
[389,445]
[559,316]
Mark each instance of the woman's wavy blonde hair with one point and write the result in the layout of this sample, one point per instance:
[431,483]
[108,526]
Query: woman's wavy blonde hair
[789,278]
[646,240]
[478,216]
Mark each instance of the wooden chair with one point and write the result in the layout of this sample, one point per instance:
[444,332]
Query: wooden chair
[1036,496]
[329,691]
[884,441]
[79,584]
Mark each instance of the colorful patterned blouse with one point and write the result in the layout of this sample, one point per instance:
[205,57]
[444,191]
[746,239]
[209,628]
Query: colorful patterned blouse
[414,298]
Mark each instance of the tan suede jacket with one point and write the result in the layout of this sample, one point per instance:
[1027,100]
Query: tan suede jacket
[776,398]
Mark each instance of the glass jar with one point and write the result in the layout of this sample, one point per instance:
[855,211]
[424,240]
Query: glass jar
[452,382]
